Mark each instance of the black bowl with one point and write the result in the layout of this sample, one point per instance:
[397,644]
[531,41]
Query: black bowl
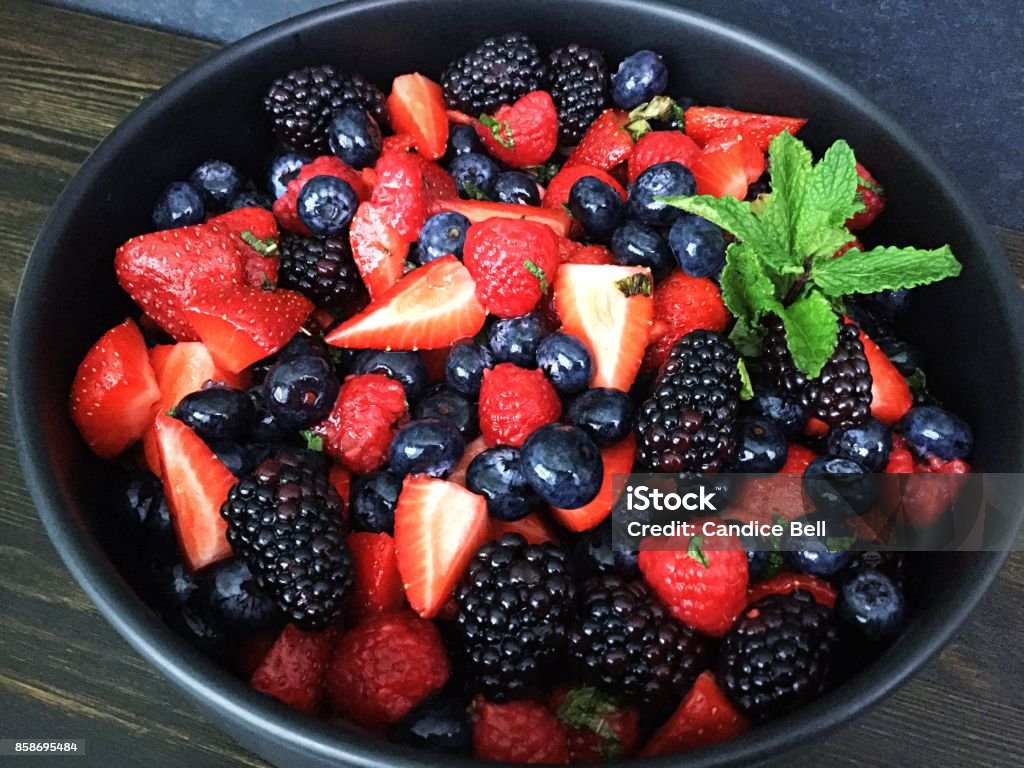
[970,324]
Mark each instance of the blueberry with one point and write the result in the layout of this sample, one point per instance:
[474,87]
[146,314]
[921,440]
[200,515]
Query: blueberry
[474,174]
[442,233]
[217,413]
[426,446]
[516,188]
[697,244]
[266,427]
[217,182]
[596,206]
[869,444]
[168,584]
[638,245]
[902,354]
[443,402]
[326,205]
[373,500]
[250,198]
[563,464]
[661,179]
[871,605]
[723,485]
[640,77]
[516,339]
[404,367]
[354,136]
[302,345]
[233,598]
[439,724]
[934,431]
[234,456]
[566,362]
[300,391]
[462,139]
[194,624]
[788,414]
[179,205]
[283,169]
[811,554]
[464,368]
[760,446]
[839,487]
[497,475]
[595,552]
[763,564]
[604,414]
[140,523]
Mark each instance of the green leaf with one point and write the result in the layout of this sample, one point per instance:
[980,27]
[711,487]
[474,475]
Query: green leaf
[829,200]
[812,329]
[917,381]
[474,192]
[314,442]
[589,709]
[543,173]
[638,284]
[884,269]
[747,290]
[267,247]
[695,550]
[500,130]
[789,163]
[746,385]
[746,338]
[537,272]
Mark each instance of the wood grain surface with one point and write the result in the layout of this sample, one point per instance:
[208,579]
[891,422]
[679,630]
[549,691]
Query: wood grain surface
[65,81]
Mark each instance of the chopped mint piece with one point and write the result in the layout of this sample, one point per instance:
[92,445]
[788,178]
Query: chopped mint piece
[500,130]
[537,272]
[746,386]
[265,247]
[475,192]
[314,442]
[635,285]
[695,549]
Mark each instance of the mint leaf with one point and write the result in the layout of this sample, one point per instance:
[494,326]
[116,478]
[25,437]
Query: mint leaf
[827,241]
[500,130]
[747,290]
[314,442]
[265,247]
[590,709]
[638,284]
[789,163]
[746,337]
[746,386]
[829,200]
[695,550]
[731,215]
[537,272]
[812,329]
[884,269]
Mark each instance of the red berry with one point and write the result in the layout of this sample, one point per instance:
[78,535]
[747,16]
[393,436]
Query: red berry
[704,717]
[590,254]
[482,210]
[514,402]
[518,732]
[597,727]
[533,528]
[606,142]
[921,490]
[890,394]
[521,134]
[722,173]
[873,197]
[618,462]
[285,207]
[683,304]
[746,151]
[378,249]
[660,147]
[785,582]
[359,429]
[293,670]
[376,585]
[260,266]
[416,107]
[398,194]
[706,123]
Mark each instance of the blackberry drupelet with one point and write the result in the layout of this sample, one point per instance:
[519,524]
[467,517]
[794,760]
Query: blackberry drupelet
[777,364]
[778,654]
[841,395]
[301,104]
[625,642]
[322,269]
[578,83]
[498,71]
[285,520]
[688,422]
[514,608]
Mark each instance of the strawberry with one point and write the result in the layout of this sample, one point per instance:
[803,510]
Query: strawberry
[458,475]
[786,582]
[378,249]
[557,193]
[682,304]
[606,142]
[512,262]
[437,184]
[115,394]
[590,254]
[432,307]
[399,142]
[376,584]
[196,484]
[252,650]
[399,194]
[766,497]
[514,402]
[706,123]
[481,210]
[752,158]
[240,325]
[722,172]
[597,726]
[293,670]
[798,458]
[521,134]
[359,429]
[704,717]
[618,462]
[594,307]
[341,480]
[385,666]
[890,393]
[922,489]
[162,271]
[518,732]
[873,197]
[659,147]
[416,107]
[255,228]
[702,579]
[901,460]
[439,526]
[533,528]
[326,165]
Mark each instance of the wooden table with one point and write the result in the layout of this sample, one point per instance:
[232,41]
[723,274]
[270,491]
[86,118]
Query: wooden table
[65,81]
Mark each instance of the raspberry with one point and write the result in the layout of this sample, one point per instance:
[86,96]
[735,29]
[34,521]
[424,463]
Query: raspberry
[682,304]
[514,402]
[293,669]
[523,134]
[327,165]
[359,429]
[513,263]
[386,666]
[519,732]
[660,147]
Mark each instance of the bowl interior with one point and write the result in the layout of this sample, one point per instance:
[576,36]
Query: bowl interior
[215,111]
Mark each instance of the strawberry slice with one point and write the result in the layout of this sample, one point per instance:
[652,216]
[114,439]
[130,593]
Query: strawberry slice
[115,393]
[416,107]
[285,207]
[606,142]
[430,308]
[592,303]
[341,481]
[481,210]
[378,249]
[196,484]
[533,528]
[704,717]
[659,147]
[376,584]
[557,193]
[399,193]
[617,460]
[240,325]
[752,158]
[294,669]
[256,229]
[706,123]
[787,582]
[890,394]
[439,526]
[722,172]
[437,184]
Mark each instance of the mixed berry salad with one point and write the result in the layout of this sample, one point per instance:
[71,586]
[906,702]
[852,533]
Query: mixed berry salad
[368,417]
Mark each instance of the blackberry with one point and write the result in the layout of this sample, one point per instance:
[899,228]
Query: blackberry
[498,71]
[285,520]
[688,422]
[841,395]
[778,654]
[322,269]
[301,104]
[625,642]
[514,609]
[777,363]
[578,83]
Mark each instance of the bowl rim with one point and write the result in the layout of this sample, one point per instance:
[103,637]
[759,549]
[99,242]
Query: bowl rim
[219,692]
